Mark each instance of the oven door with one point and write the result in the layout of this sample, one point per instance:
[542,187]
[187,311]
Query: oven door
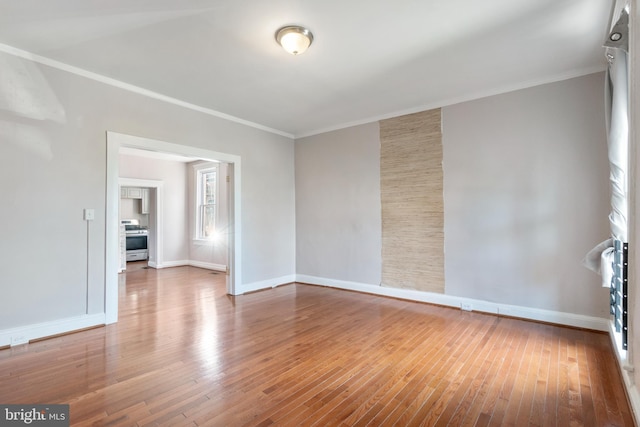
[136,242]
[137,247]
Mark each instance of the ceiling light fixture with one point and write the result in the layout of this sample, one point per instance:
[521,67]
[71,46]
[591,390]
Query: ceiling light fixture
[294,39]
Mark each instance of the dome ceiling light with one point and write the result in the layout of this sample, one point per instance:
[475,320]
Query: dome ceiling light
[294,39]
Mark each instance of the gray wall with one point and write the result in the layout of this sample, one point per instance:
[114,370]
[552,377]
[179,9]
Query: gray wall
[526,196]
[338,229]
[53,164]
[525,193]
[175,220]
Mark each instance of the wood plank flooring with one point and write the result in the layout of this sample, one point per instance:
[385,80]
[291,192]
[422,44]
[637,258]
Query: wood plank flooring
[183,353]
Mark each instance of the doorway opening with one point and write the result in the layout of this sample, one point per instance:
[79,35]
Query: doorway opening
[152,218]
[116,141]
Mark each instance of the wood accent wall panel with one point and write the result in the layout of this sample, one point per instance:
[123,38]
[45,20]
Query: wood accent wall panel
[412,202]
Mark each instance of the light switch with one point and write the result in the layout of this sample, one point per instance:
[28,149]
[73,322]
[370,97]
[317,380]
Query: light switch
[89,214]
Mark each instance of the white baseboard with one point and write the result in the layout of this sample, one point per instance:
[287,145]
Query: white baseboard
[208,265]
[169,264]
[182,263]
[266,284]
[566,319]
[24,334]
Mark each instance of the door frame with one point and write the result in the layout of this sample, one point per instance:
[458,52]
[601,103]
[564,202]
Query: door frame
[158,186]
[116,140]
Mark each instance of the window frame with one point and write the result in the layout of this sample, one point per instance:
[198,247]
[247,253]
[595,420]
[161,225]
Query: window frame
[200,171]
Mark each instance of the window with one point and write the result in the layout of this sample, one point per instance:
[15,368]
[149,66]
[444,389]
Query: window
[206,202]
[617,114]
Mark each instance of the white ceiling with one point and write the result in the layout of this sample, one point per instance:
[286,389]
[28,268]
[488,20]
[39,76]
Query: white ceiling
[370,58]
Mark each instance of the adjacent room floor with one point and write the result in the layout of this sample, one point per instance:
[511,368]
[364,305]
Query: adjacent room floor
[185,353]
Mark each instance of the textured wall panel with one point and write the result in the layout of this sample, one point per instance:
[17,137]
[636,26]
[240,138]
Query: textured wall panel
[412,203]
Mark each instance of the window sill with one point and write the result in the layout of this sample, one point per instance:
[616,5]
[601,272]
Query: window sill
[203,242]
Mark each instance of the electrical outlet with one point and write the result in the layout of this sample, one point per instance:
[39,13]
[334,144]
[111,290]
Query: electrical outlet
[89,214]
[466,306]
[19,339]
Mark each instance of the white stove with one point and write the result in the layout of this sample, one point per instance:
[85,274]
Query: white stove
[137,239]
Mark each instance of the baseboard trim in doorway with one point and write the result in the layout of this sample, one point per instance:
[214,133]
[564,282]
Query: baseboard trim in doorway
[169,264]
[182,263]
[208,265]
[266,284]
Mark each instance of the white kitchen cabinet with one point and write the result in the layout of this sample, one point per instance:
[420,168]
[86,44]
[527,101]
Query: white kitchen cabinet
[137,193]
[144,203]
[130,193]
[134,193]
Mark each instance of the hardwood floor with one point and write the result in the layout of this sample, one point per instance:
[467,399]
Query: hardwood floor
[183,353]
